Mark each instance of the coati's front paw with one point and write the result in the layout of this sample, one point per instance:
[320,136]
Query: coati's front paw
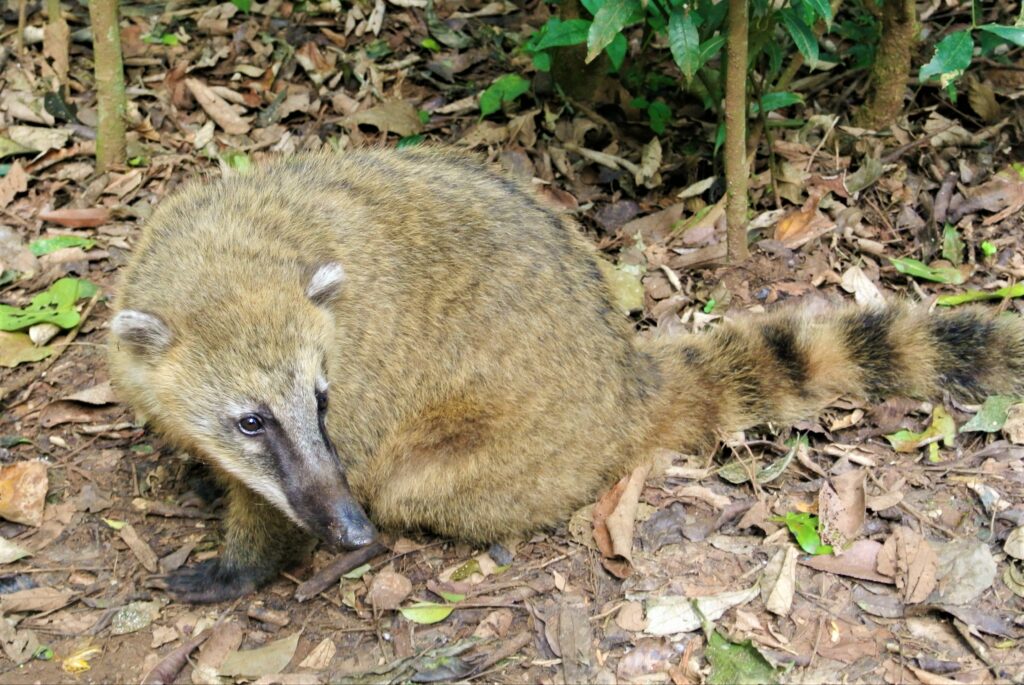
[212,581]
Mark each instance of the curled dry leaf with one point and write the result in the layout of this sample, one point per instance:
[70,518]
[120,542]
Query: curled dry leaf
[140,548]
[911,562]
[842,510]
[388,590]
[321,655]
[778,582]
[23,492]
[16,181]
[217,107]
[614,518]
[1014,545]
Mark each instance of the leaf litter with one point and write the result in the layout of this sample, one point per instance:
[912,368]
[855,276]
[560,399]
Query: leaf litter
[921,538]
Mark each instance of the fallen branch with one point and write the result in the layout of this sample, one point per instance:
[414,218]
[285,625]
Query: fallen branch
[329,575]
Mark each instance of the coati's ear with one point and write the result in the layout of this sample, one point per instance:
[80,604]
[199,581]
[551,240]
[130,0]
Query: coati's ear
[326,283]
[144,333]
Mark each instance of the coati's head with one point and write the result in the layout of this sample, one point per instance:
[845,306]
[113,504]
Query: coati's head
[241,378]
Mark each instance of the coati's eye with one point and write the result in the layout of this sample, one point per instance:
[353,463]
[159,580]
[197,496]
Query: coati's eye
[250,424]
[321,401]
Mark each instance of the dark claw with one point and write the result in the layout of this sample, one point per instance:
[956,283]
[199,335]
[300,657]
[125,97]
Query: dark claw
[210,581]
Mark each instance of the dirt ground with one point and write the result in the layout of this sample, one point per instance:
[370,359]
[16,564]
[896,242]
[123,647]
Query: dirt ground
[715,587]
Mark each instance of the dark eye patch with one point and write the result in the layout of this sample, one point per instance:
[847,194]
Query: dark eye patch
[321,401]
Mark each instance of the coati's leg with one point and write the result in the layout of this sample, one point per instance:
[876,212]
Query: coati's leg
[259,542]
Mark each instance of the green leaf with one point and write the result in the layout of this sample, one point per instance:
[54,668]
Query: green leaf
[466,570]
[659,114]
[823,9]
[410,141]
[426,613]
[237,160]
[736,473]
[558,34]
[242,4]
[804,528]
[992,415]
[55,305]
[805,40]
[617,51]
[710,48]
[48,245]
[777,100]
[613,16]
[452,597]
[913,267]
[979,295]
[8,147]
[709,306]
[430,44]
[8,441]
[1013,34]
[18,348]
[684,42]
[988,249]
[357,573]
[942,427]
[952,57]
[506,89]
[737,663]
[542,61]
[952,245]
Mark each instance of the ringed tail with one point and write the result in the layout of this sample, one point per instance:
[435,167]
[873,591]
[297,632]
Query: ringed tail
[788,365]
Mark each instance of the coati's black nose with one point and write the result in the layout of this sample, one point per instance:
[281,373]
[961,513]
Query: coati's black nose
[350,528]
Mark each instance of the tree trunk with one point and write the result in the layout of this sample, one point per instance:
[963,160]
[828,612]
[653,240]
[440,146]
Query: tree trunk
[106,45]
[736,169]
[891,70]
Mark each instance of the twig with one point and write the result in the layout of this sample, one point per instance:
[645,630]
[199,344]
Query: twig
[330,574]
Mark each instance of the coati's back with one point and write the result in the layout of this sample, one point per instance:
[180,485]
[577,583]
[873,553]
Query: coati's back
[470,313]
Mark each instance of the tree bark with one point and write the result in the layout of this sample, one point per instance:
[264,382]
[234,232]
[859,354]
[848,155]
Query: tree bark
[737,170]
[891,69]
[109,70]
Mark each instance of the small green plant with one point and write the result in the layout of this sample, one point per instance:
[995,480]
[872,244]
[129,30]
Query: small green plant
[955,52]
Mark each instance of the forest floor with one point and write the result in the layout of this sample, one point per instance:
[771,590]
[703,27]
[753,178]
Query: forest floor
[932,591]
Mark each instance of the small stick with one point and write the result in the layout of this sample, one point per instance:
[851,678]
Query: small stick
[330,574]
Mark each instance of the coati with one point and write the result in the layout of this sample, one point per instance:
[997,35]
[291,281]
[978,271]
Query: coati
[411,337]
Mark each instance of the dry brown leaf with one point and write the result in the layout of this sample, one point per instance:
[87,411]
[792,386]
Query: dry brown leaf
[575,639]
[911,562]
[56,42]
[140,548]
[97,395]
[23,492]
[226,638]
[494,624]
[778,582]
[36,599]
[1013,428]
[395,116]
[631,617]
[88,217]
[614,518]
[859,561]
[16,181]
[321,656]
[18,348]
[388,590]
[217,108]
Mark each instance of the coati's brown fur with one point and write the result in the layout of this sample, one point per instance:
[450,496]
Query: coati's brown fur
[481,385]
